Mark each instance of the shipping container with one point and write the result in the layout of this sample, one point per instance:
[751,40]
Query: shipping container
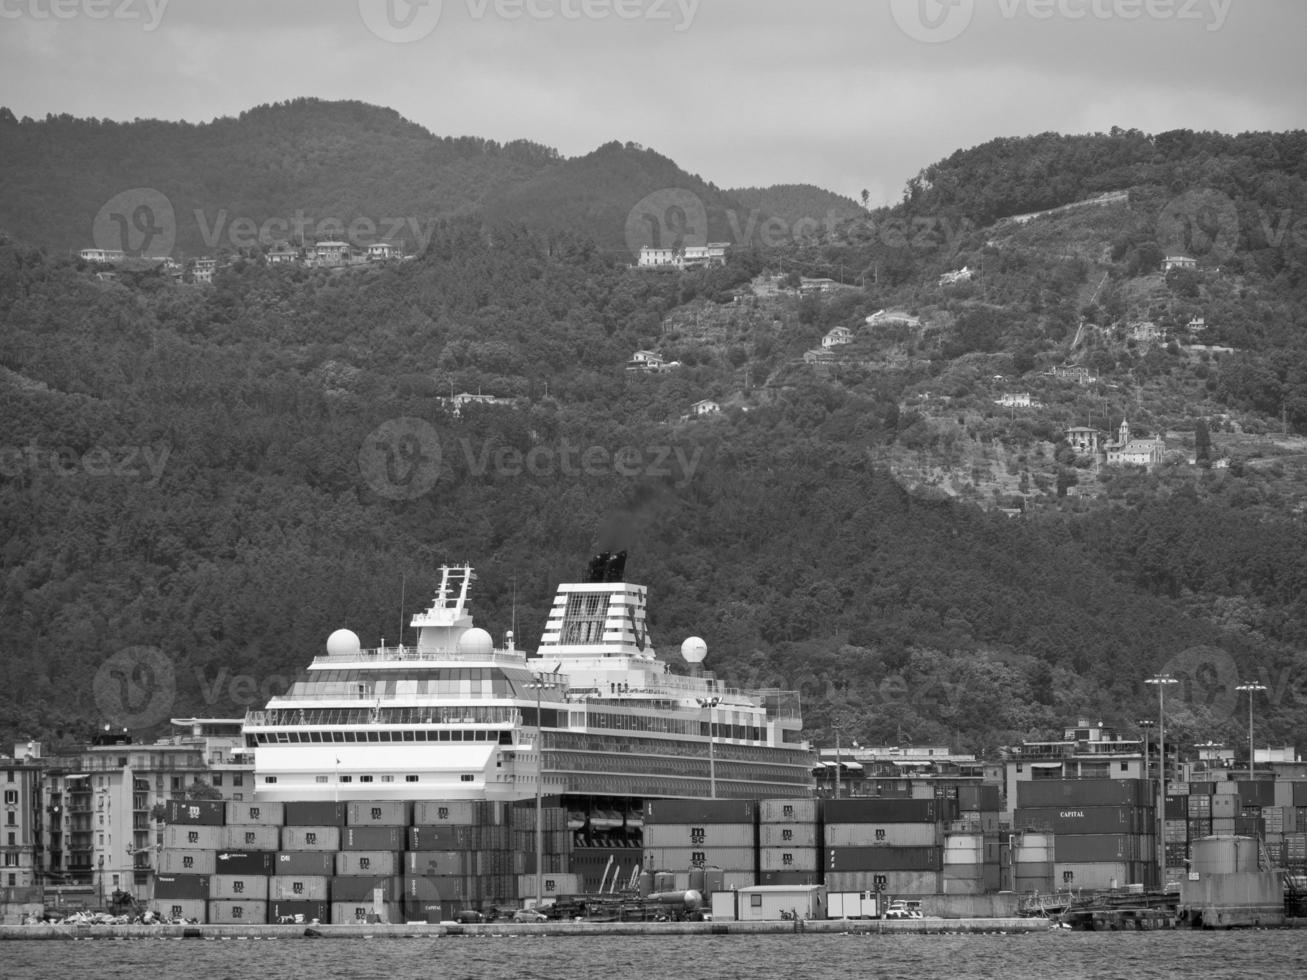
[300,912]
[735,880]
[458,813]
[357,913]
[1206,788]
[1029,848]
[1082,792]
[1087,819]
[1200,805]
[860,810]
[1222,827]
[245,863]
[698,812]
[1200,827]
[684,858]
[360,889]
[701,835]
[1175,831]
[522,815]
[192,910]
[1300,792]
[251,837]
[1226,787]
[305,863]
[788,811]
[169,887]
[314,813]
[1095,848]
[298,888]
[251,888]
[259,814]
[368,863]
[955,884]
[1177,807]
[983,797]
[237,912]
[447,838]
[892,884]
[1295,847]
[1257,792]
[379,813]
[440,862]
[882,834]
[1097,874]
[883,859]
[793,878]
[1225,806]
[787,835]
[192,813]
[1248,827]
[373,838]
[310,838]
[789,859]
[186,862]
[192,837]
[1042,884]
[441,888]
[1274,817]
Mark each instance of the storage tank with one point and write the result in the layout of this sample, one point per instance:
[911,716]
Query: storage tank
[1223,855]
[1032,848]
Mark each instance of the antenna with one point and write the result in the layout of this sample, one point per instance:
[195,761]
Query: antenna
[403,582]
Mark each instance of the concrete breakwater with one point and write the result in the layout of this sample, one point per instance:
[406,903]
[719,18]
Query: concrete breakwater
[453,930]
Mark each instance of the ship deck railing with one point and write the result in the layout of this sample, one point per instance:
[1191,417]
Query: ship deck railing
[411,653]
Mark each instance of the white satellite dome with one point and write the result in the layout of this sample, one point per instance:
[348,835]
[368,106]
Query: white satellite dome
[476,642]
[343,643]
[693,650]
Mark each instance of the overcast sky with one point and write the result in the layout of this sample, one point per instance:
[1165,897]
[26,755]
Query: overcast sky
[846,94]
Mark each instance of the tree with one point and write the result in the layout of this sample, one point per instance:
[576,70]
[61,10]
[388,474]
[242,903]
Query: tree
[1202,444]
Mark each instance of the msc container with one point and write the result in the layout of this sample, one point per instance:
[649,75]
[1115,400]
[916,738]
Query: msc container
[298,888]
[237,912]
[789,859]
[379,813]
[1096,874]
[464,813]
[885,834]
[699,812]
[883,859]
[1095,848]
[787,811]
[1087,819]
[368,863]
[260,814]
[300,912]
[244,863]
[305,863]
[240,887]
[891,883]
[185,909]
[862,810]
[205,813]
[1225,805]
[788,878]
[193,837]
[310,838]
[1082,792]
[186,862]
[787,835]
[700,835]
[344,913]
[373,838]
[360,889]
[251,837]
[447,838]
[314,813]
[169,887]
[683,858]
[1223,855]
[417,863]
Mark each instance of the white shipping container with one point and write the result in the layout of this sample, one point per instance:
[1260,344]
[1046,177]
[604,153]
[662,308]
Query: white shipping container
[467,813]
[887,834]
[787,835]
[262,814]
[789,858]
[298,888]
[700,835]
[788,811]
[357,913]
[190,909]
[851,905]
[192,837]
[245,888]
[238,912]
[250,837]
[892,883]
[186,862]
[551,885]
[310,838]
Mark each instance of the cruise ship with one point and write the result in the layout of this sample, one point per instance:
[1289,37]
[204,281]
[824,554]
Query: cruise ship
[596,714]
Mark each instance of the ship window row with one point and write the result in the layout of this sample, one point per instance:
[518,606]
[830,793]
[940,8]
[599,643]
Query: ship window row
[667,747]
[314,737]
[488,714]
[662,723]
[466,682]
[655,765]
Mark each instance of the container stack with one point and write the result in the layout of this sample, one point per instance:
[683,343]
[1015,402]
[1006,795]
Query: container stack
[1031,861]
[683,834]
[556,841]
[1103,829]
[891,845]
[789,851]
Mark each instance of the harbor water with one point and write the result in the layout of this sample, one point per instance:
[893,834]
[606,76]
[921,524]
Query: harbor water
[1268,955]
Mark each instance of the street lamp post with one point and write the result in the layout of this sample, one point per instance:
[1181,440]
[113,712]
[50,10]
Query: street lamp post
[1251,689]
[538,685]
[1162,681]
[1146,724]
[708,704]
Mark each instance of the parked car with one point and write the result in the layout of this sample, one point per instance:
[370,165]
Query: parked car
[469,916]
[529,915]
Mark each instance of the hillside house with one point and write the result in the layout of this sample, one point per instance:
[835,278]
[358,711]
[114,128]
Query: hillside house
[1084,440]
[1197,325]
[381,251]
[283,253]
[812,287]
[331,253]
[1073,372]
[203,269]
[1134,452]
[818,355]
[646,361]
[1010,399]
[958,275]
[705,407]
[1178,262]
[103,255]
[1146,332]
[458,402]
[685,257]
[893,316]
[837,336]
